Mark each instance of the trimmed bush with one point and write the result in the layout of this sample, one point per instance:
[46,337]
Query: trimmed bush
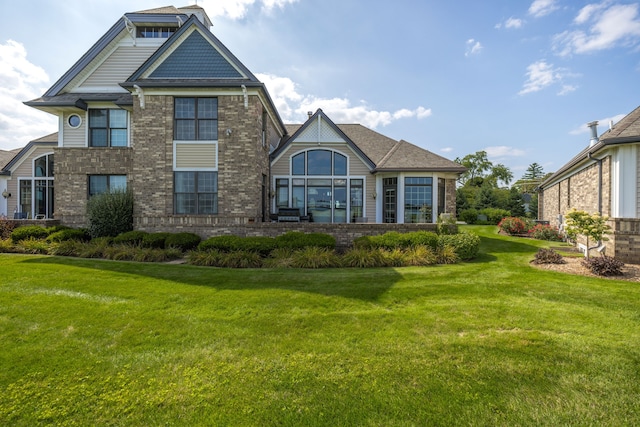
[28,232]
[470,216]
[77,234]
[184,241]
[604,265]
[261,244]
[155,240]
[133,237]
[545,232]
[299,240]
[494,215]
[227,243]
[110,214]
[512,225]
[466,244]
[548,256]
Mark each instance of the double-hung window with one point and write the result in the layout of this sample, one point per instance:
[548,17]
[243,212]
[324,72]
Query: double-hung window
[196,119]
[196,193]
[107,128]
[99,184]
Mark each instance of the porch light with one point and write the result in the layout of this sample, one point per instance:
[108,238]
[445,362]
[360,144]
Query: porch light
[6,194]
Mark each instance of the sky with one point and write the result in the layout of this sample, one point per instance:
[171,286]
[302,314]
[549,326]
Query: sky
[517,79]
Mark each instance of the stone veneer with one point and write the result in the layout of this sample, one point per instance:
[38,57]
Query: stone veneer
[450,197]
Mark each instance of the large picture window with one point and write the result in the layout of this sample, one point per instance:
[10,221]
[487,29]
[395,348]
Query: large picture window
[195,193]
[418,200]
[36,196]
[99,184]
[107,128]
[196,119]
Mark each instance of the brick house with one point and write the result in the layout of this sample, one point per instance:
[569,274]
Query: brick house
[161,107]
[603,178]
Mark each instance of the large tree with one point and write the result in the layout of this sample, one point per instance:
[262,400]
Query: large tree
[531,178]
[477,165]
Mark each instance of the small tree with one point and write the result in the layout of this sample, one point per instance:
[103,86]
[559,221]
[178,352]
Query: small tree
[110,213]
[591,226]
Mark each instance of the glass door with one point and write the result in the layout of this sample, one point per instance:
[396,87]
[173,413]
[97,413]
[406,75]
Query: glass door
[390,201]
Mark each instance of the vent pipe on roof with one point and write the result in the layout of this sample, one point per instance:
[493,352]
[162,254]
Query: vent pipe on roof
[309,113]
[594,133]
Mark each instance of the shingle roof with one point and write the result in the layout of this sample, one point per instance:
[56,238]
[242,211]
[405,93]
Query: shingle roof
[162,10]
[390,155]
[626,131]
[51,139]
[7,155]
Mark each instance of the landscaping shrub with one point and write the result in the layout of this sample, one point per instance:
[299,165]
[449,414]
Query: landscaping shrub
[314,257]
[299,240]
[28,232]
[420,256]
[155,240]
[363,258]
[133,237]
[279,258]
[604,265]
[241,259]
[56,228]
[470,216]
[67,248]
[33,245]
[156,254]
[110,214]
[466,244]
[394,258]
[423,238]
[446,224]
[7,246]
[545,232]
[209,258]
[261,244]
[95,248]
[513,225]
[6,227]
[363,242]
[447,255]
[184,241]
[494,215]
[68,234]
[227,243]
[548,256]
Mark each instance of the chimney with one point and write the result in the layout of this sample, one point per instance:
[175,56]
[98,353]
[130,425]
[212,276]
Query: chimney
[309,113]
[594,133]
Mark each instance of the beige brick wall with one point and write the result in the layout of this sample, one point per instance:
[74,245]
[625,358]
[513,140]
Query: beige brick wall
[72,169]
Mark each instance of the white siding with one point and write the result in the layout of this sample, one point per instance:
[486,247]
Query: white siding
[123,62]
[74,137]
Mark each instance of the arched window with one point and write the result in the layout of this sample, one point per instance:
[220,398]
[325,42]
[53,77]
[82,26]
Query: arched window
[320,186]
[36,193]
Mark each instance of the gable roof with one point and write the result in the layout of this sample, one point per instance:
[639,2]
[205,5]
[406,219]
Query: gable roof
[7,155]
[626,131]
[192,53]
[384,154]
[319,115]
[47,140]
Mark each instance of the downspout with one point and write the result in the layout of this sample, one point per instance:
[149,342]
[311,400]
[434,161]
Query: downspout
[594,140]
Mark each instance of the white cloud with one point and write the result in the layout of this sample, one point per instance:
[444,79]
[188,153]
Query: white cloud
[294,106]
[603,125]
[473,47]
[504,151]
[446,149]
[20,80]
[541,75]
[541,8]
[237,9]
[511,23]
[610,26]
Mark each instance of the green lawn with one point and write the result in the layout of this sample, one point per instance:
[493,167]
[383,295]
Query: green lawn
[491,342]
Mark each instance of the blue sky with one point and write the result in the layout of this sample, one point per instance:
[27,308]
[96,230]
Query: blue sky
[518,79]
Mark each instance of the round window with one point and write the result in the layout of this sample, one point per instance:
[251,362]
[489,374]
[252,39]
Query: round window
[74,120]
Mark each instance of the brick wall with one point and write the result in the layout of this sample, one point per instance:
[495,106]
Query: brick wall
[624,240]
[72,168]
[450,196]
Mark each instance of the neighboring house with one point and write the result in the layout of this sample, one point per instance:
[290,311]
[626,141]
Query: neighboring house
[603,178]
[161,107]
[26,180]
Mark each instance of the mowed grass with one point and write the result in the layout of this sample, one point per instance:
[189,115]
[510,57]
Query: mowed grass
[491,342]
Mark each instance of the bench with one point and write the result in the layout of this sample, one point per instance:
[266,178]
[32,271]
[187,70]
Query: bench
[288,215]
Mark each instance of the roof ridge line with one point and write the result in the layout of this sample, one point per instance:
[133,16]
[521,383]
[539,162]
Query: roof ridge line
[390,153]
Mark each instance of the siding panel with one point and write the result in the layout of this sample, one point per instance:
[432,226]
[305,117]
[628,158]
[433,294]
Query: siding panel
[195,156]
[123,62]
